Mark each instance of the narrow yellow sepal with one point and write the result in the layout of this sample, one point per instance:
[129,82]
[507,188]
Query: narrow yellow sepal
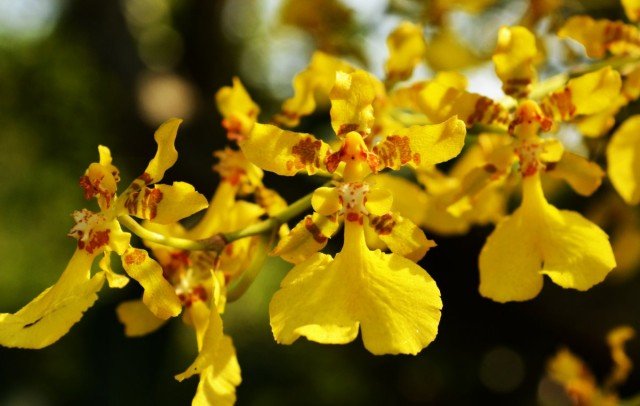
[208,346]
[52,314]
[514,60]
[423,145]
[308,237]
[351,103]
[623,157]
[166,155]
[216,362]
[137,318]
[394,301]
[218,383]
[238,110]
[159,296]
[407,49]
[284,152]
[311,87]
[538,239]
[581,174]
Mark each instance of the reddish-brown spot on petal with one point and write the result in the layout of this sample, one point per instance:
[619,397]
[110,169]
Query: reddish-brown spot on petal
[353,217]
[314,230]
[347,128]
[394,148]
[490,168]
[146,178]
[307,151]
[384,224]
[135,257]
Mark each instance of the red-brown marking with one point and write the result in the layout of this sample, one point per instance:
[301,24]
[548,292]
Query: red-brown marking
[486,111]
[314,230]
[517,87]
[146,178]
[562,102]
[353,217]
[234,129]
[97,240]
[94,188]
[490,168]
[384,224]
[395,147]
[307,151]
[148,199]
[347,128]
[178,261]
[135,257]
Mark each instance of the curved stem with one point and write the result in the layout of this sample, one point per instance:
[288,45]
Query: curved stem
[175,242]
[217,242]
[294,209]
[249,275]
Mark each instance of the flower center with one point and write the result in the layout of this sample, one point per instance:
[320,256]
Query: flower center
[353,196]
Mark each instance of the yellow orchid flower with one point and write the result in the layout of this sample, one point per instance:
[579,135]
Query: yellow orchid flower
[538,239]
[394,301]
[325,299]
[49,316]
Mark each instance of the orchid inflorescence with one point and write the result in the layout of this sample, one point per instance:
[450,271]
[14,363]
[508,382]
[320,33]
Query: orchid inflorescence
[387,132]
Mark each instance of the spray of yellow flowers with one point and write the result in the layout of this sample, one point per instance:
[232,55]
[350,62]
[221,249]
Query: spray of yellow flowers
[382,187]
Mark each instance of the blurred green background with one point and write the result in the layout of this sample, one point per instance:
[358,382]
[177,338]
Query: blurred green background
[75,74]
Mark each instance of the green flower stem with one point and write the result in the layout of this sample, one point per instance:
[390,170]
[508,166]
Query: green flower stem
[249,275]
[294,209]
[158,238]
[219,241]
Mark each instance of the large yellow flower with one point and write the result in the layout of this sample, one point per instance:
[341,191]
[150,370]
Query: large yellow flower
[327,300]
[538,239]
